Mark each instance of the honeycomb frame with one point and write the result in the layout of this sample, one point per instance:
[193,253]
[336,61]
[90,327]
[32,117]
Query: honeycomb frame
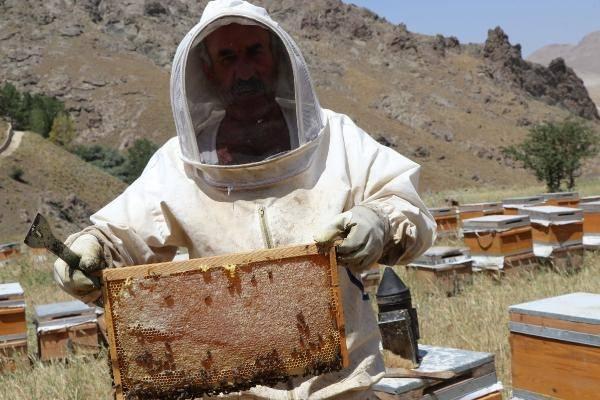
[269,315]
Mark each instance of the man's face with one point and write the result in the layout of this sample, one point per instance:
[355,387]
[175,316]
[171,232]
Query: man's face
[242,65]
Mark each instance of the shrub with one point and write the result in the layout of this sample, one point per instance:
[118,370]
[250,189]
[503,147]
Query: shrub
[102,157]
[138,156]
[554,151]
[17,173]
[127,168]
[63,130]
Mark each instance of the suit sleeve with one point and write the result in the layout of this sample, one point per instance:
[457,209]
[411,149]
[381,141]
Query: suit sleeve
[135,228]
[387,182]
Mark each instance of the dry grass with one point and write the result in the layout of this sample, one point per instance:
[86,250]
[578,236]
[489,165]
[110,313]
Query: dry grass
[477,319]
[585,187]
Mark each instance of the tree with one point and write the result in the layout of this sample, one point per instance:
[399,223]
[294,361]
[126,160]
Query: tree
[63,130]
[138,156]
[554,151]
[32,112]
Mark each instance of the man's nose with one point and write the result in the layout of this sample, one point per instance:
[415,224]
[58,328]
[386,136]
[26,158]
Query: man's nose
[244,70]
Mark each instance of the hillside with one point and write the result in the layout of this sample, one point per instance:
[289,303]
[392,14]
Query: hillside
[60,185]
[583,57]
[446,105]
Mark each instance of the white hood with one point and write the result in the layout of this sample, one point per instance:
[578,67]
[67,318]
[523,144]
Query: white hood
[198,111]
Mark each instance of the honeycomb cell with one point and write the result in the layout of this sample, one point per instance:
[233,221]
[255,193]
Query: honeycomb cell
[253,323]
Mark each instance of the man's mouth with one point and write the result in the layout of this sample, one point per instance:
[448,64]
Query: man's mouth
[248,88]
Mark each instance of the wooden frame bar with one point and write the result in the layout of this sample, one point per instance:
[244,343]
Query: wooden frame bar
[236,279]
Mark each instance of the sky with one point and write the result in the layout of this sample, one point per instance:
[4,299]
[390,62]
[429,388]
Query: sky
[532,23]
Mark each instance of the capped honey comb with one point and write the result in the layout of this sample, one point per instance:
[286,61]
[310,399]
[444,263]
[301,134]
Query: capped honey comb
[222,324]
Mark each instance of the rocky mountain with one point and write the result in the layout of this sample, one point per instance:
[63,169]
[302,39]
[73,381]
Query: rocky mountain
[447,105]
[583,57]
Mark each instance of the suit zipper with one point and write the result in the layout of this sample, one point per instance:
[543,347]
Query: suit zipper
[264,228]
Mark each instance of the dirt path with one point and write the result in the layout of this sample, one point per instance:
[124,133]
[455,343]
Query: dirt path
[14,144]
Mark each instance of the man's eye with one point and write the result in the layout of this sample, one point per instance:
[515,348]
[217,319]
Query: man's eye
[226,60]
[255,51]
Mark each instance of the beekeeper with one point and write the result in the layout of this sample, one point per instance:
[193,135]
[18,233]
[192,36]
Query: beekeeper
[257,163]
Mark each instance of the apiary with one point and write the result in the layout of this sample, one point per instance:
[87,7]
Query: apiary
[475,210]
[64,328]
[511,206]
[555,347]
[448,268]
[554,228]
[591,224]
[9,250]
[446,219]
[13,325]
[562,199]
[443,374]
[226,323]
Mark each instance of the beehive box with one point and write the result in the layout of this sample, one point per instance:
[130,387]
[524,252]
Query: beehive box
[13,352]
[9,250]
[225,323]
[476,210]
[554,228]
[443,374]
[66,328]
[13,326]
[447,268]
[498,235]
[591,224]
[12,309]
[561,199]
[507,266]
[555,347]
[511,206]
[446,219]
[589,199]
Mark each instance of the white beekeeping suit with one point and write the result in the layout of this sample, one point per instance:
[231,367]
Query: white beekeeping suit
[185,198]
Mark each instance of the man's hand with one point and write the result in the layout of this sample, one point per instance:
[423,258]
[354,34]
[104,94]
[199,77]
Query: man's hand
[364,235]
[74,281]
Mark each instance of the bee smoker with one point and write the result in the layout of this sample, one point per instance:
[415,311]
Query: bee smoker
[398,321]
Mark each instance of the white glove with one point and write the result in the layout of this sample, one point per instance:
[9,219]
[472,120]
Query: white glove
[364,233]
[73,281]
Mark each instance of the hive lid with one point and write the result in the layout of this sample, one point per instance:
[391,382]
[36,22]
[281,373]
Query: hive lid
[442,211]
[591,207]
[51,311]
[520,201]
[574,307]
[552,213]
[481,206]
[496,222]
[10,246]
[436,360]
[589,199]
[561,195]
[11,291]
[442,255]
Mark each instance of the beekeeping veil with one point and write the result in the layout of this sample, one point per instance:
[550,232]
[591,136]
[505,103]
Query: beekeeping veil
[198,109]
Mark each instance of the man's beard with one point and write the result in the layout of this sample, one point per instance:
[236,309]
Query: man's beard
[243,91]
[248,99]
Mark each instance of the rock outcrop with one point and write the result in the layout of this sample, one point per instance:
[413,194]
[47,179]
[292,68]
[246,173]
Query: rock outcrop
[555,84]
